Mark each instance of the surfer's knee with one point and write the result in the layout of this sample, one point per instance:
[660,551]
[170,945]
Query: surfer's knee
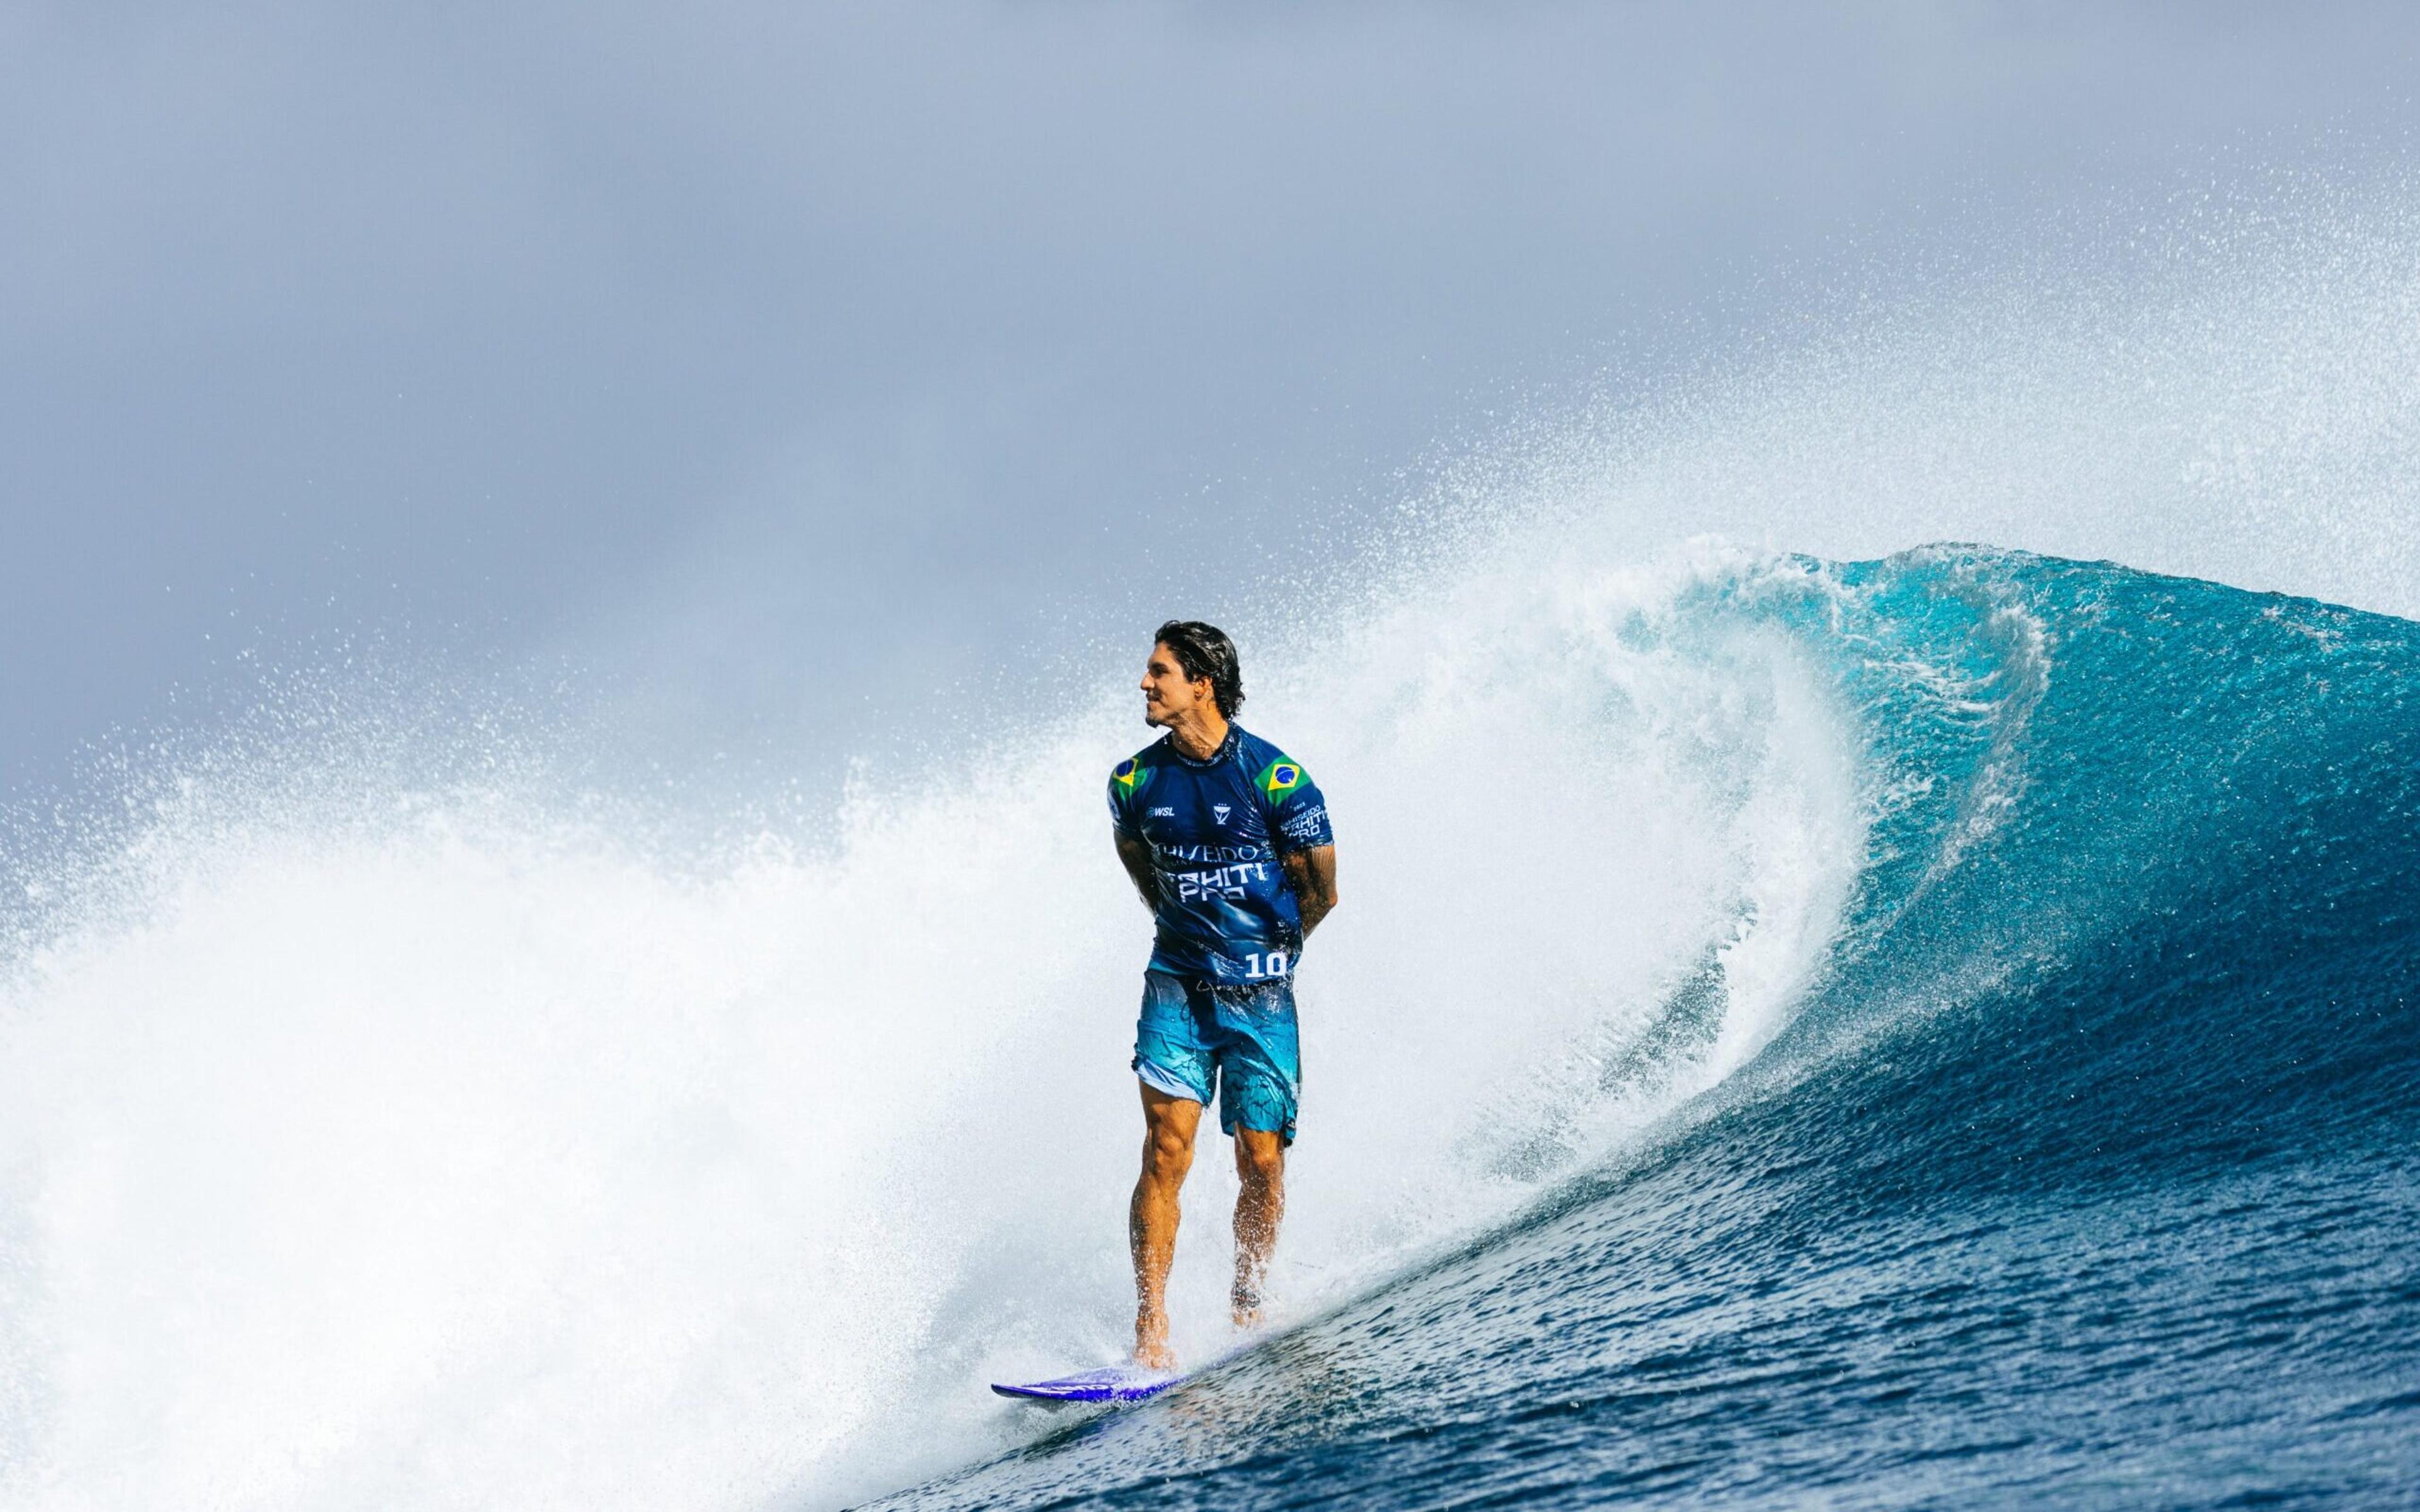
[1166,1152]
[1260,1156]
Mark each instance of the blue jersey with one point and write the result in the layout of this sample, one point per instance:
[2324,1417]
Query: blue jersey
[1216,830]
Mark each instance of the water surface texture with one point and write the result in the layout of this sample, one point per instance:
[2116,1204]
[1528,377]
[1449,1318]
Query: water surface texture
[2081,1174]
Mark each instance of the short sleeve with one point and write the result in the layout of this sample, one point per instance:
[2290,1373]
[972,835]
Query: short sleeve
[1126,781]
[1297,810]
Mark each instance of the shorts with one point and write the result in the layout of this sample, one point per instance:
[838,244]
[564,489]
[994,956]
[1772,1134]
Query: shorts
[1243,1038]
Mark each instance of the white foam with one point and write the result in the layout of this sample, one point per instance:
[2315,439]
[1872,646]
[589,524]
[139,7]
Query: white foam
[438,1149]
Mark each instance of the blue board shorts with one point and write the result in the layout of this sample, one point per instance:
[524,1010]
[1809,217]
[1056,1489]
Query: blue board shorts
[1193,1034]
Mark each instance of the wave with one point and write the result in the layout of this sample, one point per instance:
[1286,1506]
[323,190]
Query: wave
[1930,1024]
[2082,1164]
[381,1126]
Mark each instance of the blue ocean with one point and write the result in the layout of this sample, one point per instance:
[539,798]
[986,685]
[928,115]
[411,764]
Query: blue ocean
[2081,1173]
[1928,1032]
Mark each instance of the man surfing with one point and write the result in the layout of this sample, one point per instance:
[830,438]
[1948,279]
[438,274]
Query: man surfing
[1228,840]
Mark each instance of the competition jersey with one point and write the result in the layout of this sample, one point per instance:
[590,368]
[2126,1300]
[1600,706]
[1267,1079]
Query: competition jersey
[1216,830]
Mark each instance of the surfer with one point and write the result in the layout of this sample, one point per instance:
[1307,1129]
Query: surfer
[1228,843]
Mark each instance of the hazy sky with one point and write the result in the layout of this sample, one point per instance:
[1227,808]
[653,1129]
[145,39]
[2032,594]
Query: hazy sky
[772,365]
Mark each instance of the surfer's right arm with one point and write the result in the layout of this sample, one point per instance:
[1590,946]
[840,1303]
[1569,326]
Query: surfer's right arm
[1126,826]
[1135,853]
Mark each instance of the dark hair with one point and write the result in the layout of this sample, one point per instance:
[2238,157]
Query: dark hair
[1204,651]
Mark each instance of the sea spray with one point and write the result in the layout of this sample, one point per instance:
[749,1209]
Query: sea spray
[442,1144]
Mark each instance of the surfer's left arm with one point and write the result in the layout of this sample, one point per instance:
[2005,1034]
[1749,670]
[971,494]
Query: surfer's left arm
[1311,873]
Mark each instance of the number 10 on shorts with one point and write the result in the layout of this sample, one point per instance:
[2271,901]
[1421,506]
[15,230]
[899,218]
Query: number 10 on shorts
[1260,967]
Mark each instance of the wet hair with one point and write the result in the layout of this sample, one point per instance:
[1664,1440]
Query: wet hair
[1204,651]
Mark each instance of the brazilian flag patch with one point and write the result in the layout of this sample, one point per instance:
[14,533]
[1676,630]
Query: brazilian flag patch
[1130,778]
[1279,777]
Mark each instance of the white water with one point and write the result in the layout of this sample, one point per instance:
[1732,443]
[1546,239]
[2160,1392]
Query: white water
[364,1142]
[440,1150]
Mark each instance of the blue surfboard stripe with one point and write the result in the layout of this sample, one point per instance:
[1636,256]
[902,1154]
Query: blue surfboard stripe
[1113,1383]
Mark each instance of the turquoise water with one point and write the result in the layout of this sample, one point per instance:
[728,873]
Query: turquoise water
[2085,1174]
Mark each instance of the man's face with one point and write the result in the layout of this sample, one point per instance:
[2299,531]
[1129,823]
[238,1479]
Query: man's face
[1167,695]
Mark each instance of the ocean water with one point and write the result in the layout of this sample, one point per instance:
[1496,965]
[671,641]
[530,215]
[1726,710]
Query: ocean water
[2079,1169]
[1935,1031]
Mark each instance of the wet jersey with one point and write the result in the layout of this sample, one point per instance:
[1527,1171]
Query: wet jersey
[1216,830]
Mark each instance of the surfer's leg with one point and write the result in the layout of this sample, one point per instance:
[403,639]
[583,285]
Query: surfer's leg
[1168,1126]
[1260,1161]
[1260,1087]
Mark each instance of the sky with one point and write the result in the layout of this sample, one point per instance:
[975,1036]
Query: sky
[778,374]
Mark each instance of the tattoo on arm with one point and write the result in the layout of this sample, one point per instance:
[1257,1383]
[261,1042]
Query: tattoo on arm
[1134,855]
[1312,874]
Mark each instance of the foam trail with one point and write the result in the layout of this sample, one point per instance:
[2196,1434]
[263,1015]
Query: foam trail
[438,1148]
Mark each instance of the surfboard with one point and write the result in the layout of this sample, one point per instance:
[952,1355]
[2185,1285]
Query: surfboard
[1111,1384]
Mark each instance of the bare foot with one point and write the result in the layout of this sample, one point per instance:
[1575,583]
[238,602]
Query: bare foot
[1152,1350]
[1245,1308]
